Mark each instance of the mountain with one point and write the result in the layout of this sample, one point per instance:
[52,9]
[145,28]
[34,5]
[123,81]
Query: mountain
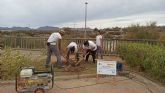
[4,28]
[15,28]
[47,28]
[20,28]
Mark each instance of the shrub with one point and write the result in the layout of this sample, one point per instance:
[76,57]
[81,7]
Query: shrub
[150,58]
[151,31]
[11,61]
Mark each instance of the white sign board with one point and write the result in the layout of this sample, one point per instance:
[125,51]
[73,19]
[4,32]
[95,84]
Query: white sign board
[106,67]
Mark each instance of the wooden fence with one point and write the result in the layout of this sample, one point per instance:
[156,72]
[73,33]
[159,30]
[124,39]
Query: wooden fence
[38,43]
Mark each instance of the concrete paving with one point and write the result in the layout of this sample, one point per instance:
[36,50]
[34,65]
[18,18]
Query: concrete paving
[92,85]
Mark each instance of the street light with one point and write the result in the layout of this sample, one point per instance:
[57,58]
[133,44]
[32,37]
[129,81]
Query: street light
[85,18]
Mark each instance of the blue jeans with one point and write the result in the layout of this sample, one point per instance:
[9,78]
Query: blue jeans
[53,49]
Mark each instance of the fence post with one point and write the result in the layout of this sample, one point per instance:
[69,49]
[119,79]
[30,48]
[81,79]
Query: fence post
[40,42]
[0,71]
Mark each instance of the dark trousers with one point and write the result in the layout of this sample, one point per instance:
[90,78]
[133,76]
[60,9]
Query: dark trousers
[93,53]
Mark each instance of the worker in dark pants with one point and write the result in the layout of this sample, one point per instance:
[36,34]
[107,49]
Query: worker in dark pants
[89,47]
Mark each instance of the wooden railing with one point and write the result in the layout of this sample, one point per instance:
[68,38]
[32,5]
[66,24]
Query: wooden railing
[38,43]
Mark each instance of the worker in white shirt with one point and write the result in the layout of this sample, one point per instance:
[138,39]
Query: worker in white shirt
[53,46]
[71,49]
[99,43]
[89,47]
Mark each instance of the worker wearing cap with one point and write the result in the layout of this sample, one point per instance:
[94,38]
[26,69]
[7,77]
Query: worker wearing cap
[53,46]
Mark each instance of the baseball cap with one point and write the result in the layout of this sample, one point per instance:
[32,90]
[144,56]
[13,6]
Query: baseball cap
[62,32]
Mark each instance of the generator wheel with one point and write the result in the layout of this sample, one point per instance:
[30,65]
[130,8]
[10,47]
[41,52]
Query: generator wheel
[39,90]
[16,83]
[17,87]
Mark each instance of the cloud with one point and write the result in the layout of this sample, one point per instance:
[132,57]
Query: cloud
[125,21]
[61,12]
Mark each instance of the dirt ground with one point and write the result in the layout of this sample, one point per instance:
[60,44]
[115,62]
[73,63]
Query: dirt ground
[40,54]
[90,68]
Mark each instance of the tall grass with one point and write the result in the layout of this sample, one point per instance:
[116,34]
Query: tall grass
[150,59]
[135,31]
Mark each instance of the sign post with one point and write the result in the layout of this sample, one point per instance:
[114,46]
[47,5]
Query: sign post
[106,69]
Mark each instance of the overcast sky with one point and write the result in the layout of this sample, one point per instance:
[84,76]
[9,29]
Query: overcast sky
[71,13]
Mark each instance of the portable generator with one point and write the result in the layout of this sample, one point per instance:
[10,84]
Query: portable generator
[28,79]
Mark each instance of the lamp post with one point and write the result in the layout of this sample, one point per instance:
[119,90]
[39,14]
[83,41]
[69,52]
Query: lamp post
[85,18]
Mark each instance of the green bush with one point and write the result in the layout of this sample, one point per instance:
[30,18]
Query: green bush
[11,61]
[151,59]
